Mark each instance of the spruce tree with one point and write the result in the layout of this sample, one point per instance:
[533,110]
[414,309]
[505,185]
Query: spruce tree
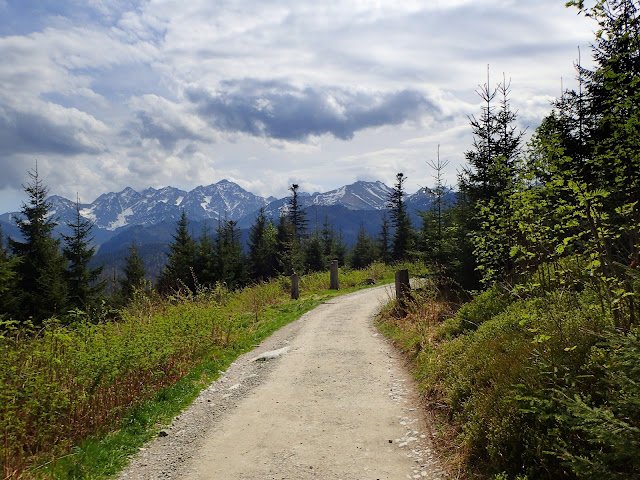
[297,215]
[432,233]
[314,258]
[82,280]
[287,261]
[475,179]
[363,252]
[402,230]
[7,280]
[489,181]
[134,273]
[340,249]
[206,268]
[613,100]
[384,241]
[41,290]
[178,272]
[587,159]
[262,259]
[230,256]
[328,236]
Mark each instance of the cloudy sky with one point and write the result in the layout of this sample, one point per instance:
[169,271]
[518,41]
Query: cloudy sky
[106,94]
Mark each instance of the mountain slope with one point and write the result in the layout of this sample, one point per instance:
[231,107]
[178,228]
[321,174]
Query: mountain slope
[116,210]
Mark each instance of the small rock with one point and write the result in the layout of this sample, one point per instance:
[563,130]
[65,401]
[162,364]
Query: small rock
[163,433]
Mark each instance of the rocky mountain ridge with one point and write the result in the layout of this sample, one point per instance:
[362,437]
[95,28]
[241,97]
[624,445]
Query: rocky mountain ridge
[114,212]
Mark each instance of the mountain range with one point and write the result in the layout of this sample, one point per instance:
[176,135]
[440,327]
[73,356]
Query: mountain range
[111,213]
[149,217]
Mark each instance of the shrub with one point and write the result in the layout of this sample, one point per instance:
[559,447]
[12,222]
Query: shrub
[496,384]
[588,418]
[482,308]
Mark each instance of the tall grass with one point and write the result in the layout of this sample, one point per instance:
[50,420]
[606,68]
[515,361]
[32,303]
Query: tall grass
[61,384]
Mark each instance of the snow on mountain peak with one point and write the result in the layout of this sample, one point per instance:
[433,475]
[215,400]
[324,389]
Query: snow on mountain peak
[224,199]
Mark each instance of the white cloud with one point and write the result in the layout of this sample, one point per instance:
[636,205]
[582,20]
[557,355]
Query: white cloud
[166,121]
[110,82]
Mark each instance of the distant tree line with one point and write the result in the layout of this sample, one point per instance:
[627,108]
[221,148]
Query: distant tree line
[43,277]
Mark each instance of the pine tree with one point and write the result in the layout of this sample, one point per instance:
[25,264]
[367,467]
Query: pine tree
[475,179]
[489,181]
[134,273]
[7,280]
[363,252]
[402,230]
[328,238]
[495,140]
[384,241]
[263,254]
[339,249]
[206,267]
[82,281]
[178,273]
[288,261]
[41,289]
[432,233]
[231,260]
[314,258]
[297,215]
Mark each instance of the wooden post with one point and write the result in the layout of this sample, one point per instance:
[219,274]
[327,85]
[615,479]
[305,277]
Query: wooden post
[334,283]
[295,286]
[402,291]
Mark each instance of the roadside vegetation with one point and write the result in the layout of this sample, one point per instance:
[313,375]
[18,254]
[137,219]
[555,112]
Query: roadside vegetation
[543,387]
[116,381]
[538,375]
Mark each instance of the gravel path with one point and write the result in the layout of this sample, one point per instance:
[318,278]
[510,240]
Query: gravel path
[325,397]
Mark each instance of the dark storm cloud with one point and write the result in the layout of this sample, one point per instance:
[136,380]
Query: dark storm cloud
[281,111]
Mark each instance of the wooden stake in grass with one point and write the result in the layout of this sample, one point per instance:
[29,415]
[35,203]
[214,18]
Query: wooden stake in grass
[295,286]
[403,290]
[333,282]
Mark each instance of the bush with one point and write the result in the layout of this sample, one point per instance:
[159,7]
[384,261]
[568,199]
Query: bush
[497,383]
[482,308]
[589,420]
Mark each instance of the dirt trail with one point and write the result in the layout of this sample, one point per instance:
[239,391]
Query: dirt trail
[335,403]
